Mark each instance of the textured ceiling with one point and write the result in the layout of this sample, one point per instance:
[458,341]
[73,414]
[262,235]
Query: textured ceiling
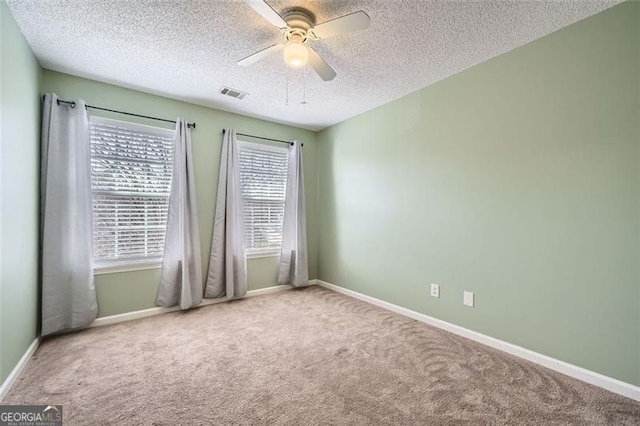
[187,49]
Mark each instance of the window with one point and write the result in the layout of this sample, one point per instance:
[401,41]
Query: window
[131,168]
[263,182]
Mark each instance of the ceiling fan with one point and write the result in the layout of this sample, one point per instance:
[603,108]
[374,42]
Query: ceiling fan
[298,26]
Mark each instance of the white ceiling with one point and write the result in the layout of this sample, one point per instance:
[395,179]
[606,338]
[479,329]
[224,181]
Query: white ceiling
[187,49]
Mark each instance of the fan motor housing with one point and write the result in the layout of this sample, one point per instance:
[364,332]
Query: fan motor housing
[299,21]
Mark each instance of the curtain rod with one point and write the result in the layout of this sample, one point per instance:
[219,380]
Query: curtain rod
[73,105]
[263,138]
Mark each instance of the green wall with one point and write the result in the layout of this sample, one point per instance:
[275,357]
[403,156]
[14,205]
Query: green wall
[19,189]
[130,291]
[516,179]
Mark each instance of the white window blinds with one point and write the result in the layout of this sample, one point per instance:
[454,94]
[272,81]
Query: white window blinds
[131,168]
[263,181]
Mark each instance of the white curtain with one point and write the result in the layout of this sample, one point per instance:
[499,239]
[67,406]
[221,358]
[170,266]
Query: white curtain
[228,265]
[181,278]
[293,259]
[68,292]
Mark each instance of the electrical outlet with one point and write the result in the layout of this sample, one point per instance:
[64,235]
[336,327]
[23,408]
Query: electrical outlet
[467,299]
[435,290]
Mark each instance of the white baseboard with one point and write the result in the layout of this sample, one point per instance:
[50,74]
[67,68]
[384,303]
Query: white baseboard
[597,379]
[128,316]
[15,373]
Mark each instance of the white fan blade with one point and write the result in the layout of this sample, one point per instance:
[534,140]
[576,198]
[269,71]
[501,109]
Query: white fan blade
[355,21]
[320,66]
[267,12]
[258,56]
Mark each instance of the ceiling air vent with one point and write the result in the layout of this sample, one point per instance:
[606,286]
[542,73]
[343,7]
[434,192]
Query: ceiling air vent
[233,93]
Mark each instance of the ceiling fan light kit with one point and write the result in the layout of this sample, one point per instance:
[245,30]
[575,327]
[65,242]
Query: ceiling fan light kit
[296,55]
[298,27]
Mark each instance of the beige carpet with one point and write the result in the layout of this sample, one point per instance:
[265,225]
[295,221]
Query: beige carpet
[300,357]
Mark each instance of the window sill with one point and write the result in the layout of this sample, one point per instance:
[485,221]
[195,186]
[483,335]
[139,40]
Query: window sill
[259,254]
[127,267]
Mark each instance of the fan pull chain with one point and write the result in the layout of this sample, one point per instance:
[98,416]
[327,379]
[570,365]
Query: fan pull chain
[304,86]
[286,101]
